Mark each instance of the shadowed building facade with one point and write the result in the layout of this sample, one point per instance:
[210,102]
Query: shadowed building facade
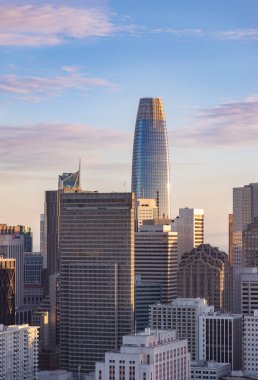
[7,291]
[150,166]
[205,272]
[97,275]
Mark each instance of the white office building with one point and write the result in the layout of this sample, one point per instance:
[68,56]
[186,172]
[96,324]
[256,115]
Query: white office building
[209,370]
[190,228]
[246,290]
[220,339]
[250,342]
[18,352]
[150,355]
[181,315]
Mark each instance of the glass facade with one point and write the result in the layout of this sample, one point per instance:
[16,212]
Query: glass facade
[150,167]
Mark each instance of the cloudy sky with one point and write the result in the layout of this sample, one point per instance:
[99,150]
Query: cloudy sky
[72,73]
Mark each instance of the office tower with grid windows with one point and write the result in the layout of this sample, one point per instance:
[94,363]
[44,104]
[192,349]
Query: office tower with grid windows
[250,339]
[156,258]
[96,275]
[181,315]
[150,165]
[220,339]
[245,210]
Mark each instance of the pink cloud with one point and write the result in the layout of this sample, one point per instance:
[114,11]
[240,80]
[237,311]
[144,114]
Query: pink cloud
[34,88]
[233,124]
[51,25]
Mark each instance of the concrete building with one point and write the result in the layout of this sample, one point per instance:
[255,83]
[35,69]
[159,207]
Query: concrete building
[145,294]
[96,277]
[18,352]
[250,342]
[150,355]
[12,247]
[190,228]
[220,339]
[146,209]
[246,290]
[209,370]
[7,291]
[250,244]
[156,258]
[205,272]
[181,315]
[245,209]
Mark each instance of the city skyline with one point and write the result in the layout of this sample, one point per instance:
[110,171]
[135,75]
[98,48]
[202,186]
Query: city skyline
[75,91]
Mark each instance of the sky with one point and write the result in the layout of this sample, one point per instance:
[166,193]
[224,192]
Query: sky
[71,76]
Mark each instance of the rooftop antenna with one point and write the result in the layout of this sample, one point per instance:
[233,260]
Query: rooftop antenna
[79,174]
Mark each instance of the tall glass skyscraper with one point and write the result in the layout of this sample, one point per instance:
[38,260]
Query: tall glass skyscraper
[150,168]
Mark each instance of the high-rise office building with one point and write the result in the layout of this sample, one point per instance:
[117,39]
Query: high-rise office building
[220,339]
[181,315]
[205,272]
[245,209]
[250,339]
[18,352]
[246,290]
[190,228]
[230,239]
[12,247]
[149,355]
[156,258]
[150,166]
[97,275]
[7,291]
[250,244]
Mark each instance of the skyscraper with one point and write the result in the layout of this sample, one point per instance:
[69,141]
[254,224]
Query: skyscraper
[156,258]
[150,167]
[96,275]
[205,272]
[245,210]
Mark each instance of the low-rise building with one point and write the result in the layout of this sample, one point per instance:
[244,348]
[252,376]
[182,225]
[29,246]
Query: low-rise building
[203,370]
[150,355]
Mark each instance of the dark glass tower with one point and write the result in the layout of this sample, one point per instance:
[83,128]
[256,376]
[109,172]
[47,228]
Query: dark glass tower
[150,168]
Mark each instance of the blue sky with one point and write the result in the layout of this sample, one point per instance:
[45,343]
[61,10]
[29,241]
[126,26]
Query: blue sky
[72,73]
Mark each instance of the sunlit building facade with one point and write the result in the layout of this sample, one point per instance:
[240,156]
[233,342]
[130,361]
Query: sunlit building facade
[150,167]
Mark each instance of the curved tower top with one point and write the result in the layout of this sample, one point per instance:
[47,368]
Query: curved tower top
[150,167]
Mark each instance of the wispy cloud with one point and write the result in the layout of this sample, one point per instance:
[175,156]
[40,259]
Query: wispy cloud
[233,34]
[238,34]
[35,88]
[37,147]
[51,25]
[231,124]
